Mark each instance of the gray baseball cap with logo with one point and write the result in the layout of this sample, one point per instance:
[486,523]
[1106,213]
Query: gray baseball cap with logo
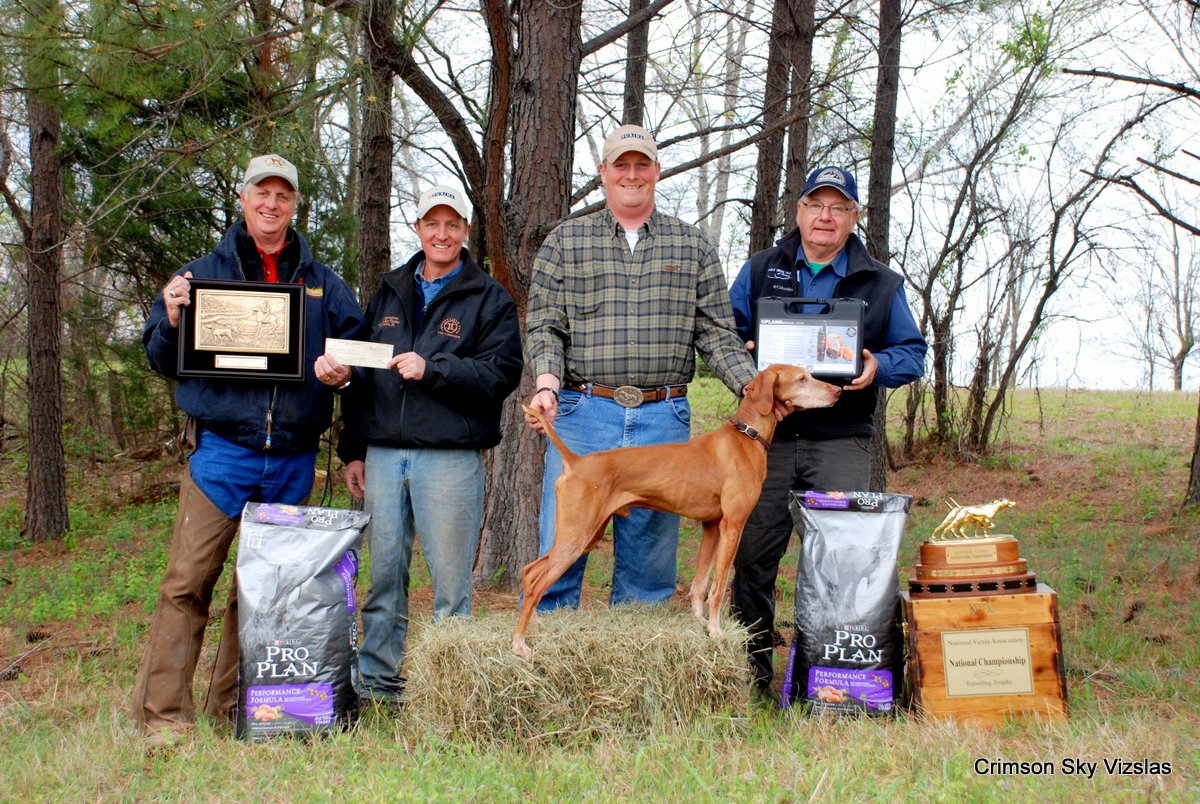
[268,166]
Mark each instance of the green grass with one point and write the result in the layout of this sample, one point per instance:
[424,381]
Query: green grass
[1097,477]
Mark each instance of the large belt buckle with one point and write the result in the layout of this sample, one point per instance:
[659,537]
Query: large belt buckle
[627,396]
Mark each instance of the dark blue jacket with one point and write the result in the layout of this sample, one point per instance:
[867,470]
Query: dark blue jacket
[471,341]
[296,412]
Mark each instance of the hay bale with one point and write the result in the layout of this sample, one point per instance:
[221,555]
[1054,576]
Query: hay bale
[628,671]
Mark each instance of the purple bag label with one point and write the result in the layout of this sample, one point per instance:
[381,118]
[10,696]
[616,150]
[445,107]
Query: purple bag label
[841,690]
[838,500]
[871,502]
[278,708]
[347,570]
[280,514]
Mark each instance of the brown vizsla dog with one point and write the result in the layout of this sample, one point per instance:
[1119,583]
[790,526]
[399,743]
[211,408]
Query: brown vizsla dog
[714,478]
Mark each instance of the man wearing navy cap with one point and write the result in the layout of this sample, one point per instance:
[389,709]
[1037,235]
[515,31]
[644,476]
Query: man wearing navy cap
[827,449]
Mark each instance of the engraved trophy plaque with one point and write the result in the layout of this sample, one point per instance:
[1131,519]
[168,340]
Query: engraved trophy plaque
[242,329]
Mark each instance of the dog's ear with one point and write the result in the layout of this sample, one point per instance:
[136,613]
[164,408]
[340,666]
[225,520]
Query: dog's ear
[761,391]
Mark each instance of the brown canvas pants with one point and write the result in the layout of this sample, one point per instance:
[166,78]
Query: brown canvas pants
[162,696]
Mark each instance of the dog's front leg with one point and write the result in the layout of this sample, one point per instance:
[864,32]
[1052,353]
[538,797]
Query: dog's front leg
[727,545]
[700,583]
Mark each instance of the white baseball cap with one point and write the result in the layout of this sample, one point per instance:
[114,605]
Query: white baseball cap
[268,165]
[443,195]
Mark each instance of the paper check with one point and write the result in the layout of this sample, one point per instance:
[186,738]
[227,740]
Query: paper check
[359,353]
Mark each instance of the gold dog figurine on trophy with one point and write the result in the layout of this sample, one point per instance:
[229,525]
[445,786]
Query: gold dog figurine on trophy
[977,516]
[962,557]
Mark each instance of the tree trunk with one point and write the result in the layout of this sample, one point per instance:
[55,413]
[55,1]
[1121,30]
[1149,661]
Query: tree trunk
[259,70]
[375,165]
[764,212]
[879,190]
[542,111]
[802,72]
[637,54]
[46,515]
[1193,490]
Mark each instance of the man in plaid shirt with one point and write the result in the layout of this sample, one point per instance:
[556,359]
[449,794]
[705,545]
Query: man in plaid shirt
[620,301]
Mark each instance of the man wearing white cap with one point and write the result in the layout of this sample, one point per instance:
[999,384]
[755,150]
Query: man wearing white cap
[253,440]
[415,431]
[619,303]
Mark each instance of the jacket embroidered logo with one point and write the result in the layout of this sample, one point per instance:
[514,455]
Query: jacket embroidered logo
[450,327]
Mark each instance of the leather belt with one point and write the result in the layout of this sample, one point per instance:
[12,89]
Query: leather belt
[629,396]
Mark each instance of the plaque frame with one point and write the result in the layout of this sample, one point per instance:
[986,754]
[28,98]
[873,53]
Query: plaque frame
[242,329]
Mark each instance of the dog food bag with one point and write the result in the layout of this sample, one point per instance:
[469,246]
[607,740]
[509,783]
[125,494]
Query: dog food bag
[847,654]
[297,628]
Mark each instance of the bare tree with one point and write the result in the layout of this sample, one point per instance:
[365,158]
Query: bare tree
[46,515]
[373,204]
[637,56]
[777,100]
[1162,314]
[879,184]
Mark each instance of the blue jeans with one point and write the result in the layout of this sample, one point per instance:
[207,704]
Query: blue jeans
[644,543]
[231,475]
[439,494]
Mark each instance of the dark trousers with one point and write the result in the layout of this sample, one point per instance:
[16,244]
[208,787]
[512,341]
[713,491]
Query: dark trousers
[834,464]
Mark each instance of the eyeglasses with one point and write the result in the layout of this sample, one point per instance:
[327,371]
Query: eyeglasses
[836,210]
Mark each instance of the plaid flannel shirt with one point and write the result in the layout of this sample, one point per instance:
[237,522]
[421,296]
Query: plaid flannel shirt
[598,313]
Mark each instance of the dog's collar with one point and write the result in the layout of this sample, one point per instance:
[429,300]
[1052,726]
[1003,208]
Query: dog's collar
[749,432]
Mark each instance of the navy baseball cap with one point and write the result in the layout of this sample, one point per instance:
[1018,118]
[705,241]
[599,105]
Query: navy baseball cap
[832,176]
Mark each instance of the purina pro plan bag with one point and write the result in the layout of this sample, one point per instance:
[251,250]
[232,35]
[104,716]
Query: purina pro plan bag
[847,653]
[297,632]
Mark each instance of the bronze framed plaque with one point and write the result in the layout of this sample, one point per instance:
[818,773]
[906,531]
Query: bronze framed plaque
[242,329]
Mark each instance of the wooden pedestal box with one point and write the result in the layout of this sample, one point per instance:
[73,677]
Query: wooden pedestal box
[984,658]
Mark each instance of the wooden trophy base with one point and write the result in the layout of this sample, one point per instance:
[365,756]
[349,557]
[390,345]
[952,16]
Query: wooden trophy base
[984,658]
[968,567]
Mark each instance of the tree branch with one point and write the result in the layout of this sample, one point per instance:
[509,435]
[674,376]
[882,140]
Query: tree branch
[1177,87]
[18,212]
[631,22]
[1175,174]
[400,61]
[710,156]
[1128,181]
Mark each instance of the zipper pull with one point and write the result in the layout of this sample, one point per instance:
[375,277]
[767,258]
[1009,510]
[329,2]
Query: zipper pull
[270,409]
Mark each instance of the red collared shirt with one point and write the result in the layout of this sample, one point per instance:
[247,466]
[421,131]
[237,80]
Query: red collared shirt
[270,265]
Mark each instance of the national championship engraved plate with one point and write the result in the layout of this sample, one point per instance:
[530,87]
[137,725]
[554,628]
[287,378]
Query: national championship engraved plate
[242,329]
[961,557]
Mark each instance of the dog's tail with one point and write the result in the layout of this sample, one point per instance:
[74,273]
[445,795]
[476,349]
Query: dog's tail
[563,450]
